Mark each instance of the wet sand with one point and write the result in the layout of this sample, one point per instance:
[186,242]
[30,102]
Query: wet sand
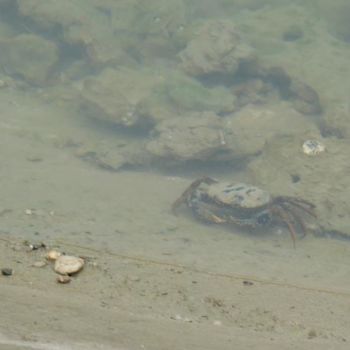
[152,280]
[127,302]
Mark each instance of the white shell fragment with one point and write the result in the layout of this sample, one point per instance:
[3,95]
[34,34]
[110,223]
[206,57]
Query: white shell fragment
[68,265]
[313,147]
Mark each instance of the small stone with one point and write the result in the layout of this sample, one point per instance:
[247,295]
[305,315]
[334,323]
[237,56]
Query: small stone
[52,255]
[6,271]
[36,246]
[63,279]
[68,265]
[247,283]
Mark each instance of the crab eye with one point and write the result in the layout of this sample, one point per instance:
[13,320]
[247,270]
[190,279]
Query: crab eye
[263,219]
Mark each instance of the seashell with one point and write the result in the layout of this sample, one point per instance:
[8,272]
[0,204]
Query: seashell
[68,265]
[313,147]
[53,255]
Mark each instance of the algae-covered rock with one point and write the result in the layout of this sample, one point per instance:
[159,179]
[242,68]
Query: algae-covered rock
[217,48]
[248,130]
[161,25]
[303,97]
[115,95]
[112,154]
[138,97]
[184,94]
[111,32]
[83,24]
[28,56]
[197,136]
[50,13]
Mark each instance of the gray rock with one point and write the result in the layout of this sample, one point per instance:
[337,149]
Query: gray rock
[217,48]
[196,136]
[116,94]
[248,130]
[28,56]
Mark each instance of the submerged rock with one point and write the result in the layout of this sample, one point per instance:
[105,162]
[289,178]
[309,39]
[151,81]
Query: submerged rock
[196,136]
[217,48]
[28,56]
[248,130]
[179,93]
[116,94]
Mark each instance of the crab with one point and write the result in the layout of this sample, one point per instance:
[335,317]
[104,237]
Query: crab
[244,205]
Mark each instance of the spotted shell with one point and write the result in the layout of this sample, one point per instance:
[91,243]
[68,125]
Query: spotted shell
[238,195]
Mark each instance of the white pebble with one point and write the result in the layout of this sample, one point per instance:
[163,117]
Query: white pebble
[313,147]
[68,265]
[53,255]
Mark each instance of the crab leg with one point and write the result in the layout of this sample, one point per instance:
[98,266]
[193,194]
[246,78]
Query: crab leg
[189,191]
[296,216]
[241,222]
[299,203]
[283,214]
[206,212]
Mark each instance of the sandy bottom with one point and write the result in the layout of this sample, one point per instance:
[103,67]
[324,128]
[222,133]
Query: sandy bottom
[152,280]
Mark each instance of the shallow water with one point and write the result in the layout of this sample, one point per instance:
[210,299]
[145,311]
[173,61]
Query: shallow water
[123,218]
